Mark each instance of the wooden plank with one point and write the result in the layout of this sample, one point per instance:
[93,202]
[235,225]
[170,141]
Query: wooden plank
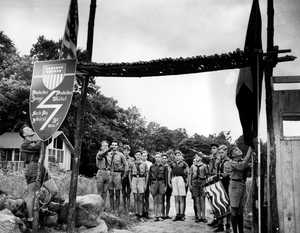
[279,178]
[286,79]
[296,177]
[287,187]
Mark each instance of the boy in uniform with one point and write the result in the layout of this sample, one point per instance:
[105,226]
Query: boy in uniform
[224,173]
[179,176]
[118,167]
[198,174]
[103,173]
[167,196]
[126,186]
[145,159]
[237,186]
[138,174]
[158,180]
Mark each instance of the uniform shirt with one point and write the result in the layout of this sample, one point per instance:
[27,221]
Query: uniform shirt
[199,172]
[238,169]
[31,151]
[179,169]
[212,165]
[130,163]
[158,172]
[117,161]
[101,159]
[139,168]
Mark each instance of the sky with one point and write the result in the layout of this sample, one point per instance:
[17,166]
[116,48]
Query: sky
[142,30]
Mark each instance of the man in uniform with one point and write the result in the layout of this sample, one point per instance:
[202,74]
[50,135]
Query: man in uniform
[167,196]
[179,176]
[126,189]
[158,180]
[145,159]
[237,186]
[118,167]
[30,149]
[103,173]
[139,176]
[199,171]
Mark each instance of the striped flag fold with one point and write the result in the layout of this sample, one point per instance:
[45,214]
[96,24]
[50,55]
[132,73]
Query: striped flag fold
[69,41]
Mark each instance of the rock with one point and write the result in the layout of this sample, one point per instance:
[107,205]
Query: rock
[88,209]
[101,228]
[10,223]
[113,221]
[51,221]
[16,206]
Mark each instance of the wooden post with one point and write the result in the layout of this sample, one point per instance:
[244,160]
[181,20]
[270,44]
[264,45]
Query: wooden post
[79,126]
[273,221]
[39,178]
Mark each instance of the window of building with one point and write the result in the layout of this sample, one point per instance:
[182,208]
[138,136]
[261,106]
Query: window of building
[60,156]
[17,155]
[58,143]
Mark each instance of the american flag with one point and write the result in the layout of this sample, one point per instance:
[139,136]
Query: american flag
[218,199]
[69,42]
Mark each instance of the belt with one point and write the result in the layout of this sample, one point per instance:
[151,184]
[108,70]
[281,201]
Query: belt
[201,178]
[139,176]
[104,169]
[158,180]
[238,180]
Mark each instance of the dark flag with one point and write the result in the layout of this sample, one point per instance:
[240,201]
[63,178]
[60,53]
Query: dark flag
[69,42]
[247,90]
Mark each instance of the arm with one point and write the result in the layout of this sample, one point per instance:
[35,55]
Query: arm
[190,178]
[169,177]
[243,164]
[125,166]
[31,146]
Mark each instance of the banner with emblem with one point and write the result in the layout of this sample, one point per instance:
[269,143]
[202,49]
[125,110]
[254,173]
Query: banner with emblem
[51,95]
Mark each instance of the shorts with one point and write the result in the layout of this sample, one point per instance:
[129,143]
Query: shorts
[31,172]
[178,186]
[157,187]
[115,181]
[138,185]
[102,178]
[237,191]
[197,188]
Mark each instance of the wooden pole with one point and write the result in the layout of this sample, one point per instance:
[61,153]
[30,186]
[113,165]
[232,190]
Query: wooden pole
[39,178]
[273,221]
[79,125]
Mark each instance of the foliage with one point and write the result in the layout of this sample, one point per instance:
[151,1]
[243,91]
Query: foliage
[103,118]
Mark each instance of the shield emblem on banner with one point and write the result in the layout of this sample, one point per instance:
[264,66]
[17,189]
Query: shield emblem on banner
[51,95]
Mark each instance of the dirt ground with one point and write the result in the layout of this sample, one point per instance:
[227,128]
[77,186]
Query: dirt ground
[168,226]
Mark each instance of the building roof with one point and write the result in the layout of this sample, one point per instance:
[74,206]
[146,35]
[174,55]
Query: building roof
[12,140]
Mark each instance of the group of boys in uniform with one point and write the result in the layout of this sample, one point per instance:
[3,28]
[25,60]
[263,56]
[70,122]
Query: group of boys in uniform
[170,175]
[167,175]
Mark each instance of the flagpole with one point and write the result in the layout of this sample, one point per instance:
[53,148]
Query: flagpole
[79,125]
[259,180]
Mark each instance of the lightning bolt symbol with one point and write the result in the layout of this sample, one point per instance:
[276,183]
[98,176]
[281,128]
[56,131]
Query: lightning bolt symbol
[43,105]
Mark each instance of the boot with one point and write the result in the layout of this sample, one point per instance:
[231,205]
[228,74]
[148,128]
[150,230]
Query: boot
[220,228]
[240,223]
[234,224]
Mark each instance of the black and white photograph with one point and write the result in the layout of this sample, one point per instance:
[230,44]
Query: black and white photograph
[139,116]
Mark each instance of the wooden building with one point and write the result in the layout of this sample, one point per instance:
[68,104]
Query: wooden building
[58,151]
[286,115]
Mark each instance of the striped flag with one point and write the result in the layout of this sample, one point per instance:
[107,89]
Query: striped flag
[218,199]
[69,42]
